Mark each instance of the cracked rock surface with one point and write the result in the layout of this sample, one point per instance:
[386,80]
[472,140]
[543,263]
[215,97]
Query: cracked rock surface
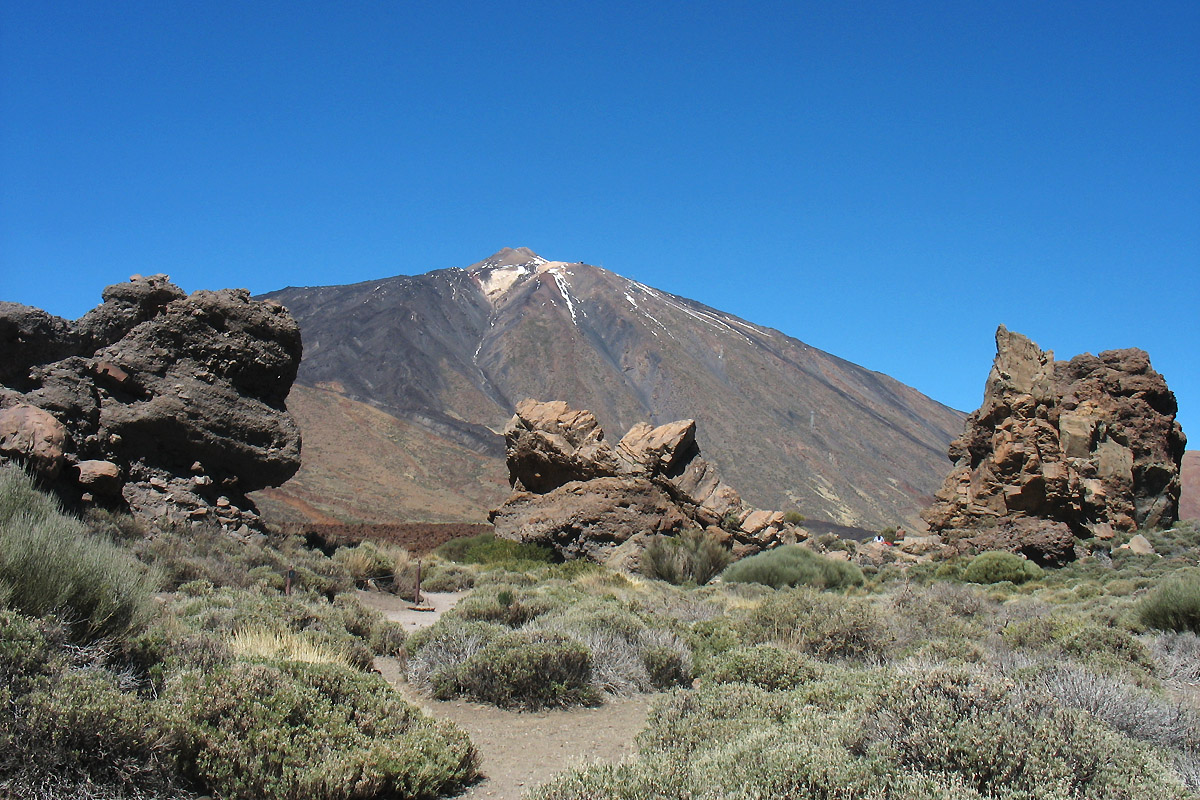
[167,404]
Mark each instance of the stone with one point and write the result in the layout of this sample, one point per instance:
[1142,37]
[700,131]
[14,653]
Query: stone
[33,437]
[576,494]
[165,386]
[1091,443]
[99,477]
[1139,545]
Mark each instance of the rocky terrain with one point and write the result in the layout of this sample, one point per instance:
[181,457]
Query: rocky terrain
[578,494]
[448,354]
[1059,450]
[169,405]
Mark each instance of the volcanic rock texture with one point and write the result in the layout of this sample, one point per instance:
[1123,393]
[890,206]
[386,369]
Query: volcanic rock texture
[578,494]
[448,354]
[170,405]
[1063,449]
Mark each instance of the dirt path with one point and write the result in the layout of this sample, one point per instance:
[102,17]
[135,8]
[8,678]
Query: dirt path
[519,750]
[397,609]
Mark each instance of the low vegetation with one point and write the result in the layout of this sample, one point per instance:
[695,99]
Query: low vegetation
[792,674]
[223,686]
[794,565]
[694,556]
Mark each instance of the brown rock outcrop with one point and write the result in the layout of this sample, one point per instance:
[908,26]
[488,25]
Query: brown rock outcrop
[581,496]
[1091,444]
[157,401]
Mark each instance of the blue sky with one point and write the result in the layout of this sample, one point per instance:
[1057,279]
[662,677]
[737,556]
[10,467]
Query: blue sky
[885,181]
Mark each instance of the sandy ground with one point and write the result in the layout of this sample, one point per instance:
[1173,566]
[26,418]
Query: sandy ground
[400,610]
[519,750]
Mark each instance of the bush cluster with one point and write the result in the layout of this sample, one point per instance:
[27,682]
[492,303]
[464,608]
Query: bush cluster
[694,556]
[288,730]
[491,550]
[99,699]
[997,566]
[794,565]
[50,563]
[1174,605]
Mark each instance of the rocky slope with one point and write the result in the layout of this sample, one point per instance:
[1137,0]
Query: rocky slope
[169,405]
[453,351]
[1189,494]
[1060,449]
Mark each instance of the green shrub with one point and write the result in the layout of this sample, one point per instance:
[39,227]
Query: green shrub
[314,731]
[694,555]
[1174,605]
[52,564]
[434,654]
[525,669]
[793,518]
[765,666]
[489,549]
[824,625]
[446,576]
[489,605]
[208,554]
[793,565]
[976,726]
[666,667]
[80,730]
[364,561]
[997,566]
[343,625]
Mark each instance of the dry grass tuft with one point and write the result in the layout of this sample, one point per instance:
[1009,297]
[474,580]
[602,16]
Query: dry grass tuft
[276,645]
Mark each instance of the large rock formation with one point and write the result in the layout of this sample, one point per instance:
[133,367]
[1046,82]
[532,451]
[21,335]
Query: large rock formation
[1062,449]
[169,405]
[575,492]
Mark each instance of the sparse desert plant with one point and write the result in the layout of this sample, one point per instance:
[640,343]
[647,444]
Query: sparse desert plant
[825,625]
[793,517]
[50,563]
[695,555]
[365,561]
[1136,712]
[525,669]
[996,566]
[435,653]
[438,575]
[1176,655]
[295,730]
[765,666]
[793,565]
[1174,605]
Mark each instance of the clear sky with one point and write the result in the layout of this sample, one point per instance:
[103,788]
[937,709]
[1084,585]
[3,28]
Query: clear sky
[886,181]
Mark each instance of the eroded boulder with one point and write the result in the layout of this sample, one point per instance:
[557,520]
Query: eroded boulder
[576,493]
[1091,444]
[164,402]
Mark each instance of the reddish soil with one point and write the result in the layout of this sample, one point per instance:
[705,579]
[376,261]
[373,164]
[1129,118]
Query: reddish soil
[416,537]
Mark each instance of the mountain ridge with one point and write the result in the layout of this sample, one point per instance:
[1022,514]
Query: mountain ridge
[453,350]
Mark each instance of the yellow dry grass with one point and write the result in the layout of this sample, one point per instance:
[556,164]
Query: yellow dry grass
[284,646]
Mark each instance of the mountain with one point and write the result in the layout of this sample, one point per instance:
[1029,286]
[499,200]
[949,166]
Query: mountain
[441,360]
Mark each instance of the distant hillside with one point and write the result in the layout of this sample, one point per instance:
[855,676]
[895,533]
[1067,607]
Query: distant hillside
[1189,498]
[439,361]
